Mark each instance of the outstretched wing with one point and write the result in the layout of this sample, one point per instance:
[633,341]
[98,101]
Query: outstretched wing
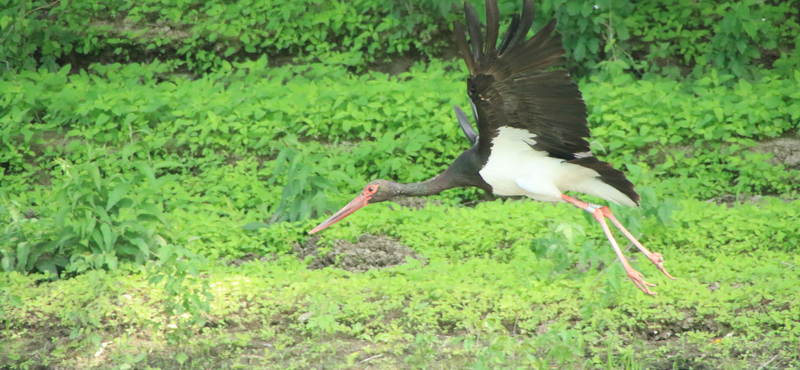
[515,85]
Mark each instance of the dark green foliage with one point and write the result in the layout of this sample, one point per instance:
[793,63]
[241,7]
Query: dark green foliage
[25,32]
[671,37]
[204,33]
[666,37]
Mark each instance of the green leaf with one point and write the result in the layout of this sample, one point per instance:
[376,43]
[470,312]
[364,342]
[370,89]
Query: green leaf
[97,236]
[95,172]
[143,247]
[574,8]
[64,71]
[23,250]
[8,263]
[4,21]
[147,171]
[147,217]
[580,50]
[118,193]
[109,237]
[47,266]
[167,164]
[622,33]
[718,112]
[255,226]
[126,250]
[111,260]
[101,119]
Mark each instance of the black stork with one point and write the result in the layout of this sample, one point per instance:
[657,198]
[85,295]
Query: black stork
[532,131]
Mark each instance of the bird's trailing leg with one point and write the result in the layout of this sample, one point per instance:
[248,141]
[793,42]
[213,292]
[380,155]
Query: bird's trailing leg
[656,258]
[600,213]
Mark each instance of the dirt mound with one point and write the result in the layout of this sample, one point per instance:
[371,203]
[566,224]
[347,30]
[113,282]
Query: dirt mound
[368,253]
[785,149]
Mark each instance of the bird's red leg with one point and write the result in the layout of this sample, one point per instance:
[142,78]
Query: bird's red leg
[656,258]
[600,216]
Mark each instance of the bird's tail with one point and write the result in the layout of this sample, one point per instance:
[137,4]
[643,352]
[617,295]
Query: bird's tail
[609,175]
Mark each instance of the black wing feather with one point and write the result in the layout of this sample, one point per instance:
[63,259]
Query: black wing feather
[509,33]
[463,121]
[463,47]
[492,29]
[475,35]
[517,86]
[525,23]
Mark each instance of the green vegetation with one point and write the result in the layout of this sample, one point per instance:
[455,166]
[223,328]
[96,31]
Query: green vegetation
[540,299]
[160,169]
[668,37]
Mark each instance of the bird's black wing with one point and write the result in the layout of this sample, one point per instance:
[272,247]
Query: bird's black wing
[516,85]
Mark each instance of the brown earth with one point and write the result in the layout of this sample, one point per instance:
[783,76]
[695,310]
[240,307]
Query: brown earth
[368,253]
[786,150]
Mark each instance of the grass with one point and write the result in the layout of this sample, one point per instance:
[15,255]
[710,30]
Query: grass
[522,296]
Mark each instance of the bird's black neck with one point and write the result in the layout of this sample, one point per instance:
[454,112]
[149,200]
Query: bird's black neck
[463,172]
[430,187]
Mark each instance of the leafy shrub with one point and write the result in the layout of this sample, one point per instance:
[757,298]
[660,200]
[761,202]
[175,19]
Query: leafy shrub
[24,32]
[304,190]
[94,219]
[671,37]
[242,112]
[205,33]
[188,295]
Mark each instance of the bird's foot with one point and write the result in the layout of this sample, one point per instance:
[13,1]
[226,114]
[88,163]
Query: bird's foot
[638,279]
[658,260]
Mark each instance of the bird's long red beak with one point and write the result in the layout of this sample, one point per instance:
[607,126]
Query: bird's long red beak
[351,207]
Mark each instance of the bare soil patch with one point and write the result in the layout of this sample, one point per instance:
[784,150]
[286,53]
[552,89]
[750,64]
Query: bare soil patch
[786,150]
[369,252]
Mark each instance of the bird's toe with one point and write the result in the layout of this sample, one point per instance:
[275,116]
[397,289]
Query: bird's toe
[638,280]
[658,260]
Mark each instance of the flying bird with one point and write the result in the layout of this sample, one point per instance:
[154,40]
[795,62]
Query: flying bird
[532,131]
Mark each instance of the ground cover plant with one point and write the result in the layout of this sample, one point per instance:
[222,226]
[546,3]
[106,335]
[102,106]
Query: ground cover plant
[668,37]
[160,169]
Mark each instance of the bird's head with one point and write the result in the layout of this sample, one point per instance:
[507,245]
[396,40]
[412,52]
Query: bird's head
[374,192]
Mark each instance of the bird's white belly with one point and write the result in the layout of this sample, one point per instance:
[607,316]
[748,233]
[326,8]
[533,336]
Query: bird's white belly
[515,168]
[513,158]
[534,175]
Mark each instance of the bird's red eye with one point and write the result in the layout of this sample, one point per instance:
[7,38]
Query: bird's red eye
[370,189]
